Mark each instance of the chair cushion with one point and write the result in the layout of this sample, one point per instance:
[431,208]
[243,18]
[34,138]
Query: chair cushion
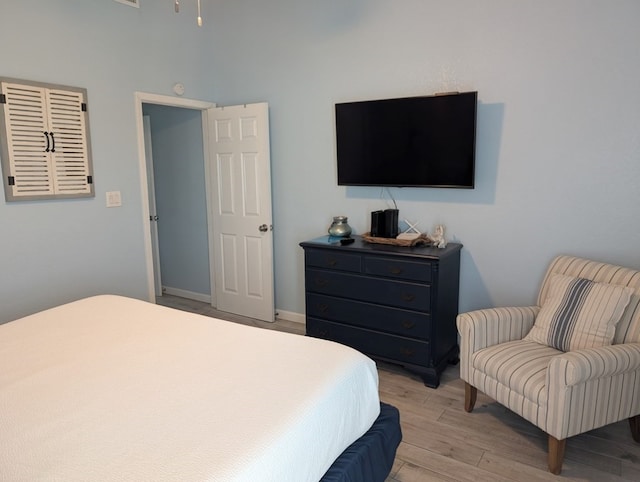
[517,366]
[579,313]
[628,328]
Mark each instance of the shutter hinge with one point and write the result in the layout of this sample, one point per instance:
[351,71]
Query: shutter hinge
[89,179]
[3,99]
[83,106]
[12,181]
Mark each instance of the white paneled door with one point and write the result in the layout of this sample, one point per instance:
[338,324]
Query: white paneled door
[241,210]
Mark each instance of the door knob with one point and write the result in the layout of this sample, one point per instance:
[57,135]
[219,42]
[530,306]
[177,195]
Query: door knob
[263,228]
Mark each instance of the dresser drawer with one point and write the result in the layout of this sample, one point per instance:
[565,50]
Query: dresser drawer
[372,343]
[397,268]
[330,259]
[367,315]
[411,296]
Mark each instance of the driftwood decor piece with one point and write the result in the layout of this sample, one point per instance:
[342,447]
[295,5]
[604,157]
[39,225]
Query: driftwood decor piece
[422,239]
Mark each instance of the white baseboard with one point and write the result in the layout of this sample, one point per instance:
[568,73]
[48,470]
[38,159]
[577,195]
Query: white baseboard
[280,314]
[290,316]
[191,295]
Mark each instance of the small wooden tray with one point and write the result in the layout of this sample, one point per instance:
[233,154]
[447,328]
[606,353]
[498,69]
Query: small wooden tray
[422,239]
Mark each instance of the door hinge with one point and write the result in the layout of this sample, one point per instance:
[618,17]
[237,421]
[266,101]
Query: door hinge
[89,179]
[3,99]
[83,106]
[12,181]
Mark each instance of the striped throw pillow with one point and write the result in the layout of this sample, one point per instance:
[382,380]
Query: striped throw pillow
[579,313]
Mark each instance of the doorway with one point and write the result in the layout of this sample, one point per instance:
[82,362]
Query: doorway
[235,139]
[142,99]
[177,201]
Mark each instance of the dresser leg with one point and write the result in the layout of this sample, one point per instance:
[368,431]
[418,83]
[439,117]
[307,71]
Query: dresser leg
[431,378]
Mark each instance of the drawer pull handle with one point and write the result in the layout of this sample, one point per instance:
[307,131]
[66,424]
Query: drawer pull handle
[395,270]
[408,297]
[406,352]
[323,333]
[332,262]
[322,307]
[321,282]
[407,325]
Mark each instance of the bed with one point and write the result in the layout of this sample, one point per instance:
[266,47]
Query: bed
[112,388]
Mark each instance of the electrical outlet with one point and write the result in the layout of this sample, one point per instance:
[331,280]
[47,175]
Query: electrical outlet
[114,200]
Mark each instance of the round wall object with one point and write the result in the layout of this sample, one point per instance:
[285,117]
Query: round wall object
[178,88]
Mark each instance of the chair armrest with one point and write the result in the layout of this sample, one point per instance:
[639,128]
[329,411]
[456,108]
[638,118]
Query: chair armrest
[580,366]
[591,388]
[482,328]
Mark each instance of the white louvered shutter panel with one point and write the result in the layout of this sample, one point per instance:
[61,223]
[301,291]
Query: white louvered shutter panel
[44,136]
[70,155]
[26,121]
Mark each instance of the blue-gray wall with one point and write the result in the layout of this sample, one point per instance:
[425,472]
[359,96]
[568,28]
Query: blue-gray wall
[558,145]
[558,153]
[54,252]
[178,163]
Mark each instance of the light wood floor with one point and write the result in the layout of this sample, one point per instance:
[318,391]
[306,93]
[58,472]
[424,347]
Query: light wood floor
[441,442]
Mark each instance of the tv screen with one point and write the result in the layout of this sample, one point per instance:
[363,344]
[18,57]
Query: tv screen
[408,142]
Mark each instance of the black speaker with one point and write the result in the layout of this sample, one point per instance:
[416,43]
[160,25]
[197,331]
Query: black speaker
[390,223]
[377,224]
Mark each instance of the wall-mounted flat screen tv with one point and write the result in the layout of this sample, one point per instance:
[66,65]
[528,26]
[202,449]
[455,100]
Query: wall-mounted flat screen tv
[424,141]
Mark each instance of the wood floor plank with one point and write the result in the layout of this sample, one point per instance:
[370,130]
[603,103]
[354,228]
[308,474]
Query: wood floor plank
[440,466]
[442,442]
[630,471]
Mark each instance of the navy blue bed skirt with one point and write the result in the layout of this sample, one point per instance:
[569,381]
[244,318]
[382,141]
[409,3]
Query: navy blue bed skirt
[370,458]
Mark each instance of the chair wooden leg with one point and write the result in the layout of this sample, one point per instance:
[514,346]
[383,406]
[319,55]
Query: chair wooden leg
[634,423]
[470,395]
[556,454]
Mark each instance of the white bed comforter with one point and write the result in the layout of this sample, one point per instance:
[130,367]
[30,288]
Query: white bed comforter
[111,388]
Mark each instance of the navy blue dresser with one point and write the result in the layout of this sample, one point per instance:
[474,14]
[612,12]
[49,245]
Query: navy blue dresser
[396,304]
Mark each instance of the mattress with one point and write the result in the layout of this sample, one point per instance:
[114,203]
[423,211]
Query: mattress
[111,388]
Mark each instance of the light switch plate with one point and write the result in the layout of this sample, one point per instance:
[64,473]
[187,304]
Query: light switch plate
[114,200]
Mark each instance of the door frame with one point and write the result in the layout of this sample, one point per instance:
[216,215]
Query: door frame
[203,107]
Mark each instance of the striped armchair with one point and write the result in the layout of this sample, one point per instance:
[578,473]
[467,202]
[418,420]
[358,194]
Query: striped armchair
[564,393]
